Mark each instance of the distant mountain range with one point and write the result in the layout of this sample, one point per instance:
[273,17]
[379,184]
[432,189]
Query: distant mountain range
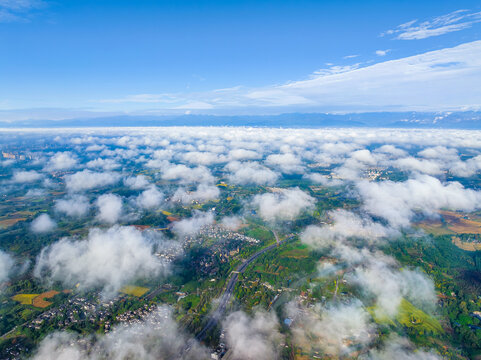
[446,120]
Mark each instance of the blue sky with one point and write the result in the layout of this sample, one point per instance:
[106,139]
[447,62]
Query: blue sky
[63,58]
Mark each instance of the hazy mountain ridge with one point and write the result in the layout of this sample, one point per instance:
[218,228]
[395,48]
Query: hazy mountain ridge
[447,120]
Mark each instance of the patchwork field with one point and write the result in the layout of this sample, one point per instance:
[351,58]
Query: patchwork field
[410,316]
[134,290]
[468,246]
[6,223]
[37,300]
[452,223]
[25,299]
[455,223]
[461,223]
[297,253]
[40,301]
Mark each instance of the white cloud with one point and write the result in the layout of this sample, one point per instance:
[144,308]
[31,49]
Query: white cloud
[6,266]
[107,259]
[382,52]
[231,222]
[286,204]
[345,225]
[18,10]
[193,224]
[187,175]
[86,180]
[389,286]
[42,224]
[75,205]
[440,25]
[400,349]
[110,208]
[439,80]
[250,173]
[336,329]
[398,201]
[137,182]
[203,193]
[61,161]
[252,338]
[157,336]
[287,162]
[26,176]
[105,164]
[150,198]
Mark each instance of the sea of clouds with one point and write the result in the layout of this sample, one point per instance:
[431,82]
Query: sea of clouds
[187,163]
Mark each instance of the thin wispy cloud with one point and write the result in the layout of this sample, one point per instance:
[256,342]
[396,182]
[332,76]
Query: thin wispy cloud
[454,21]
[382,52]
[19,10]
[423,82]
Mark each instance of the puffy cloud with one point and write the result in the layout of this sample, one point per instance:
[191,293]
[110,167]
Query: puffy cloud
[137,182]
[336,329]
[243,154]
[203,158]
[61,161]
[193,224]
[86,180]
[106,259]
[110,208]
[36,193]
[204,192]
[6,266]
[391,150]
[42,224]
[286,204]
[400,348]
[231,222]
[252,338]
[26,176]
[288,162]
[75,205]
[250,173]
[418,165]
[156,337]
[150,198]
[389,286]
[345,225]
[466,168]
[106,164]
[364,156]
[439,152]
[397,201]
[187,175]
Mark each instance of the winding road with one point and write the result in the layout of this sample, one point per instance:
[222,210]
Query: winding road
[229,289]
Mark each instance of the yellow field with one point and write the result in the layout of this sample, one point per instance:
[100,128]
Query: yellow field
[134,290]
[25,299]
[461,223]
[409,316]
[455,223]
[435,227]
[468,246]
[40,301]
[5,223]
[166,213]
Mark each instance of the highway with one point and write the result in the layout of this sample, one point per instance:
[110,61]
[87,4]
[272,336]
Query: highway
[229,289]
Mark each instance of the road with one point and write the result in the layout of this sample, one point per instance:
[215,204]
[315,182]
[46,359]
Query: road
[229,289]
